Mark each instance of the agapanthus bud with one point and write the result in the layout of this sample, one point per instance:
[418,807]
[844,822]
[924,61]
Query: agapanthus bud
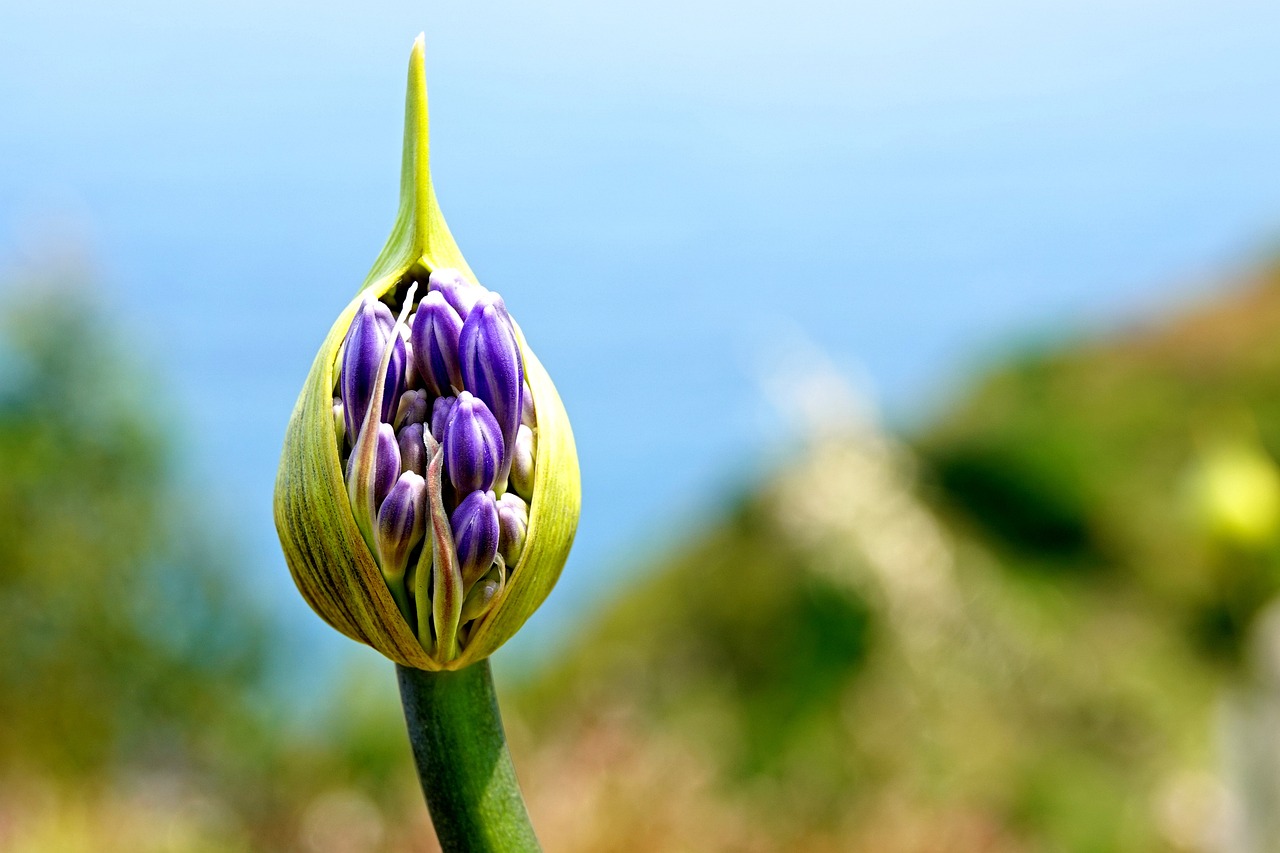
[475,533]
[372,327]
[370,477]
[456,290]
[413,408]
[528,416]
[327,526]
[513,522]
[491,365]
[522,455]
[401,523]
[480,599]
[435,332]
[413,451]
[473,447]
[440,411]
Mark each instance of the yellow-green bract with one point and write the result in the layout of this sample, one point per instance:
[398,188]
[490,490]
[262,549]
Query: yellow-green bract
[326,553]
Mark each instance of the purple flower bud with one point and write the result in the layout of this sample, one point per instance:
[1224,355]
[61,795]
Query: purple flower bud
[473,446]
[513,523]
[402,520]
[371,476]
[522,463]
[456,290]
[413,450]
[412,409]
[412,379]
[434,335]
[475,534]
[370,330]
[388,465]
[440,411]
[491,366]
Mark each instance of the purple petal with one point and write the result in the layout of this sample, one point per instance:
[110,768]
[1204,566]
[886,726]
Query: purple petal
[491,366]
[473,447]
[456,290]
[387,465]
[413,451]
[401,521]
[440,411]
[434,336]
[370,330]
[476,533]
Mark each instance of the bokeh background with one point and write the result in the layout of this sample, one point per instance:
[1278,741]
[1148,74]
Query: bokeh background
[924,361]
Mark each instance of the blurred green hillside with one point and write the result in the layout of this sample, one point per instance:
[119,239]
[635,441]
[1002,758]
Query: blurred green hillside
[1028,630]
[1044,623]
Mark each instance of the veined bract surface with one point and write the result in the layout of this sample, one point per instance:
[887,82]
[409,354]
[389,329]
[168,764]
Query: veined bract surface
[331,555]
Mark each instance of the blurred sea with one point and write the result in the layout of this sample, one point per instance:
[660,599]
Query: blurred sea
[668,195]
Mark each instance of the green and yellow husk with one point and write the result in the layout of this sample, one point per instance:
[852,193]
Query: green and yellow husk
[327,555]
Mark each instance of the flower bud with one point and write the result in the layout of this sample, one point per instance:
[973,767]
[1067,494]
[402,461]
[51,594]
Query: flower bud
[413,451]
[491,366]
[513,522]
[472,445]
[401,523]
[456,290]
[372,328]
[522,455]
[412,409]
[412,379]
[339,420]
[435,332]
[335,536]
[440,411]
[475,534]
[370,475]
[528,416]
[480,599]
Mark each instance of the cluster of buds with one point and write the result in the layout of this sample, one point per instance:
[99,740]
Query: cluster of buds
[436,429]
[428,492]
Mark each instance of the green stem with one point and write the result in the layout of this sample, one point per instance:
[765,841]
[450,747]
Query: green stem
[458,743]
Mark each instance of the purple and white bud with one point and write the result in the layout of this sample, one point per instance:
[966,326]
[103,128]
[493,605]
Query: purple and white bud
[369,486]
[413,449]
[388,465]
[528,416]
[513,523]
[434,335]
[473,447]
[402,520]
[522,455]
[413,408]
[475,534]
[412,378]
[370,330]
[440,411]
[456,290]
[491,366]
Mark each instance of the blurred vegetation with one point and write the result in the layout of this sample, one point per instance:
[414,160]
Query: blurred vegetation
[136,711]
[1039,625]
[1044,670]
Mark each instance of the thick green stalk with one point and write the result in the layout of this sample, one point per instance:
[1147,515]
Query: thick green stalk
[456,733]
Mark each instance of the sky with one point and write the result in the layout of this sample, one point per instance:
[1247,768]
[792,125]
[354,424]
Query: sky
[670,196]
